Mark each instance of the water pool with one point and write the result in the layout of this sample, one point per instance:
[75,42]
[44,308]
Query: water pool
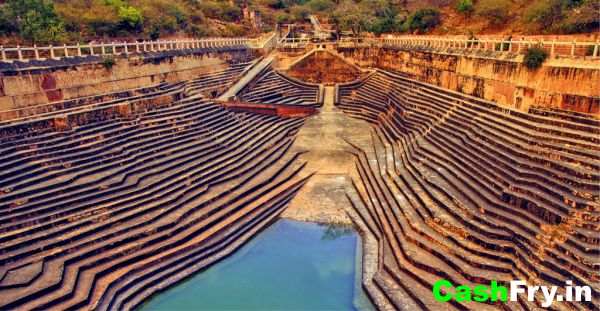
[289,266]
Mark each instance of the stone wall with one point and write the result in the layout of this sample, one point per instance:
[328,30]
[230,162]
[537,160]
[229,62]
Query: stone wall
[36,85]
[568,84]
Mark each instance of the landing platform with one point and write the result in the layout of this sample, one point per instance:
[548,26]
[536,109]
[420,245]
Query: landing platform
[323,198]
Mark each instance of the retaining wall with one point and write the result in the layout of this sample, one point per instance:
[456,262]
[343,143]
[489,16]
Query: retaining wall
[560,83]
[41,83]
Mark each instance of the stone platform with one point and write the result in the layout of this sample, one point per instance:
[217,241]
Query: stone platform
[323,197]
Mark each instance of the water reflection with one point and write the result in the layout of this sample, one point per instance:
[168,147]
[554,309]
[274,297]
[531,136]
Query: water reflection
[333,232]
[290,266]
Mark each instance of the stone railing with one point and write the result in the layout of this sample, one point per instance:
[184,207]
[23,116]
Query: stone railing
[266,42]
[572,48]
[293,43]
[21,53]
[561,47]
[284,35]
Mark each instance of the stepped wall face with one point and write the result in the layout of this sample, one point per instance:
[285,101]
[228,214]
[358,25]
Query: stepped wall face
[53,81]
[559,83]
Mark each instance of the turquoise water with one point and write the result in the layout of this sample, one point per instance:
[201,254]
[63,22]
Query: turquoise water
[289,266]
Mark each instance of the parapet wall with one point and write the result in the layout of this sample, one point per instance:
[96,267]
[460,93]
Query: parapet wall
[568,84]
[41,82]
[285,111]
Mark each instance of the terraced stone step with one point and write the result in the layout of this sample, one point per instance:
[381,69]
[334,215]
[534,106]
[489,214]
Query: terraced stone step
[106,213]
[462,189]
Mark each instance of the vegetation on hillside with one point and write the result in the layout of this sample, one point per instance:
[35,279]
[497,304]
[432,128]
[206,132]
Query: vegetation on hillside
[448,16]
[44,21]
[33,20]
[565,16]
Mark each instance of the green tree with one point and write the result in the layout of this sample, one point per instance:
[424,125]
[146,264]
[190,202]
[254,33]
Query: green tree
[464,6]
[349,15]
[35,20]
[387,24]
[130,18]
[422,20]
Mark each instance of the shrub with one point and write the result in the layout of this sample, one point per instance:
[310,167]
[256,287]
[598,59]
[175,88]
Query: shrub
[544,13]
[387,24]
[464,6]
[221,10]
[181,18]
[108,62]
[198,31]
[154,32]
[382,25]
[300,12]
[230,13]
[7,24]
[422,20]
[320,5]
[282,18]
[95,19]
[131,18]
[210,8]
[494,10]
[274,4]
[232,30]
[535,57]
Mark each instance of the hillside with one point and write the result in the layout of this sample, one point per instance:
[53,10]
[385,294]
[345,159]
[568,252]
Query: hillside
[520,17]
[47,21]
[465,16]
[44,21]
